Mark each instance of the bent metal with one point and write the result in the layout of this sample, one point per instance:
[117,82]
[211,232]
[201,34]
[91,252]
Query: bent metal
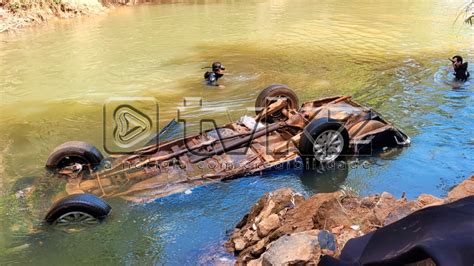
[322,130]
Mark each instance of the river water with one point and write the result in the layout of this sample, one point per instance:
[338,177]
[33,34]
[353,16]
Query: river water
[55,79]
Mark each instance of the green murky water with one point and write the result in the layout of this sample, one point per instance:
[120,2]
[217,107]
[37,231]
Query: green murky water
[55,79]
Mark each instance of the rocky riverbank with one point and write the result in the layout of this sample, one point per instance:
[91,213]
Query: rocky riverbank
[285,228]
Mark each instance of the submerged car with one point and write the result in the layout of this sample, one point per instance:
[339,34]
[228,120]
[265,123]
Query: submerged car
[282,134]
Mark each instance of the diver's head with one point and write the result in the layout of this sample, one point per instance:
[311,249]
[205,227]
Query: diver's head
[218,68]
[457,60]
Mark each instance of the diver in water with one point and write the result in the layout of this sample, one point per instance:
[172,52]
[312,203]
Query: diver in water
[217,72]
[460,68]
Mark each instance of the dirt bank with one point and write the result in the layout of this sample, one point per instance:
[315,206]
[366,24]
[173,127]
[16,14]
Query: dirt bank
[285,228]
[17,14]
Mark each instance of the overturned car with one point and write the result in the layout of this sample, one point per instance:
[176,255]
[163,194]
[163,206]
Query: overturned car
[282,133]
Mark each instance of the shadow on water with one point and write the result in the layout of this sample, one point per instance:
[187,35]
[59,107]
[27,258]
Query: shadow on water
[323,179]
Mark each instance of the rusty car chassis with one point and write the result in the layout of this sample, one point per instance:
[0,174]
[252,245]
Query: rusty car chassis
[282,133]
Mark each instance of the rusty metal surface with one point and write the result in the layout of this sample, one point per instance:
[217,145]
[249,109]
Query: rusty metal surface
[227,152]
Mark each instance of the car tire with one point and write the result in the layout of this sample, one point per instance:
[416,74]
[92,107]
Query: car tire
[91,207]
[74,152]
[276,90]
[314,140]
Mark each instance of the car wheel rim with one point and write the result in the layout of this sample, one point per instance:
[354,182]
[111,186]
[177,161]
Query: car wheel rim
[76,219]
[328,145]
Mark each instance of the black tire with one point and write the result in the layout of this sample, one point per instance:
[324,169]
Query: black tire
[317,128]
[276,90]
[84,203]
[74,152]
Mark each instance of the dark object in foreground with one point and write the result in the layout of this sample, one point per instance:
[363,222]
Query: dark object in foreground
[444,234]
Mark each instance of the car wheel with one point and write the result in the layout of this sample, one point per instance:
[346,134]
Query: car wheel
[270,95]
[78,210]
[324,139]
[74,152]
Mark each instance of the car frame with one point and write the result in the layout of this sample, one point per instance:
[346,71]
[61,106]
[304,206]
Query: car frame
[282,134]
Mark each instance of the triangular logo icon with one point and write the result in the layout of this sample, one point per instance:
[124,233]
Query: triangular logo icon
[131,125]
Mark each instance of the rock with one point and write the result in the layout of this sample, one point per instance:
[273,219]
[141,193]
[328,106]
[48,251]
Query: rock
[249,234]
[370,201]
[327,240]
[369,221]
[239,244]
[397,214]
[273,202]
[268,224]
[337,230]
[281,228]
[300,247]
[268,209]
[327,252]
[367,202]
[279,200]
[251,237]
[383,207]
[466,188]
[257,262]
[259,248]
[426,199]
[331,214]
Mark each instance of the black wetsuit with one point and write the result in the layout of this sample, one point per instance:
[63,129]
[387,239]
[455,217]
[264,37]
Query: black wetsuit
[461,72]
[212,77]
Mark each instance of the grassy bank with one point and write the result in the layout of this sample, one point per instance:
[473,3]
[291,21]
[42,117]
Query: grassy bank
[16,14]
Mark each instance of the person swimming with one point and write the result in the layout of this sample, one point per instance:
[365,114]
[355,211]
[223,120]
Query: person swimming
[460,68]
[213,76]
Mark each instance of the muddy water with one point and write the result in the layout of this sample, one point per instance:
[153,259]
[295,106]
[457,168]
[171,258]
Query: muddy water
[55,80]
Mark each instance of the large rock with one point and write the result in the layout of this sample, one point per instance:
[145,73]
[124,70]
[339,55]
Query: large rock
[239,244]
[268,224]
[384,206]
[273,202]
[466,188]
[263,218]
[300,218]
[429,200]
[397,214]
[331,214]
[282,227]
[259,248]
[257,262]
[291,249]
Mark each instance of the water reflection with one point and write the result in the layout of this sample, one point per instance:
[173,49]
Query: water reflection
[325,178]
